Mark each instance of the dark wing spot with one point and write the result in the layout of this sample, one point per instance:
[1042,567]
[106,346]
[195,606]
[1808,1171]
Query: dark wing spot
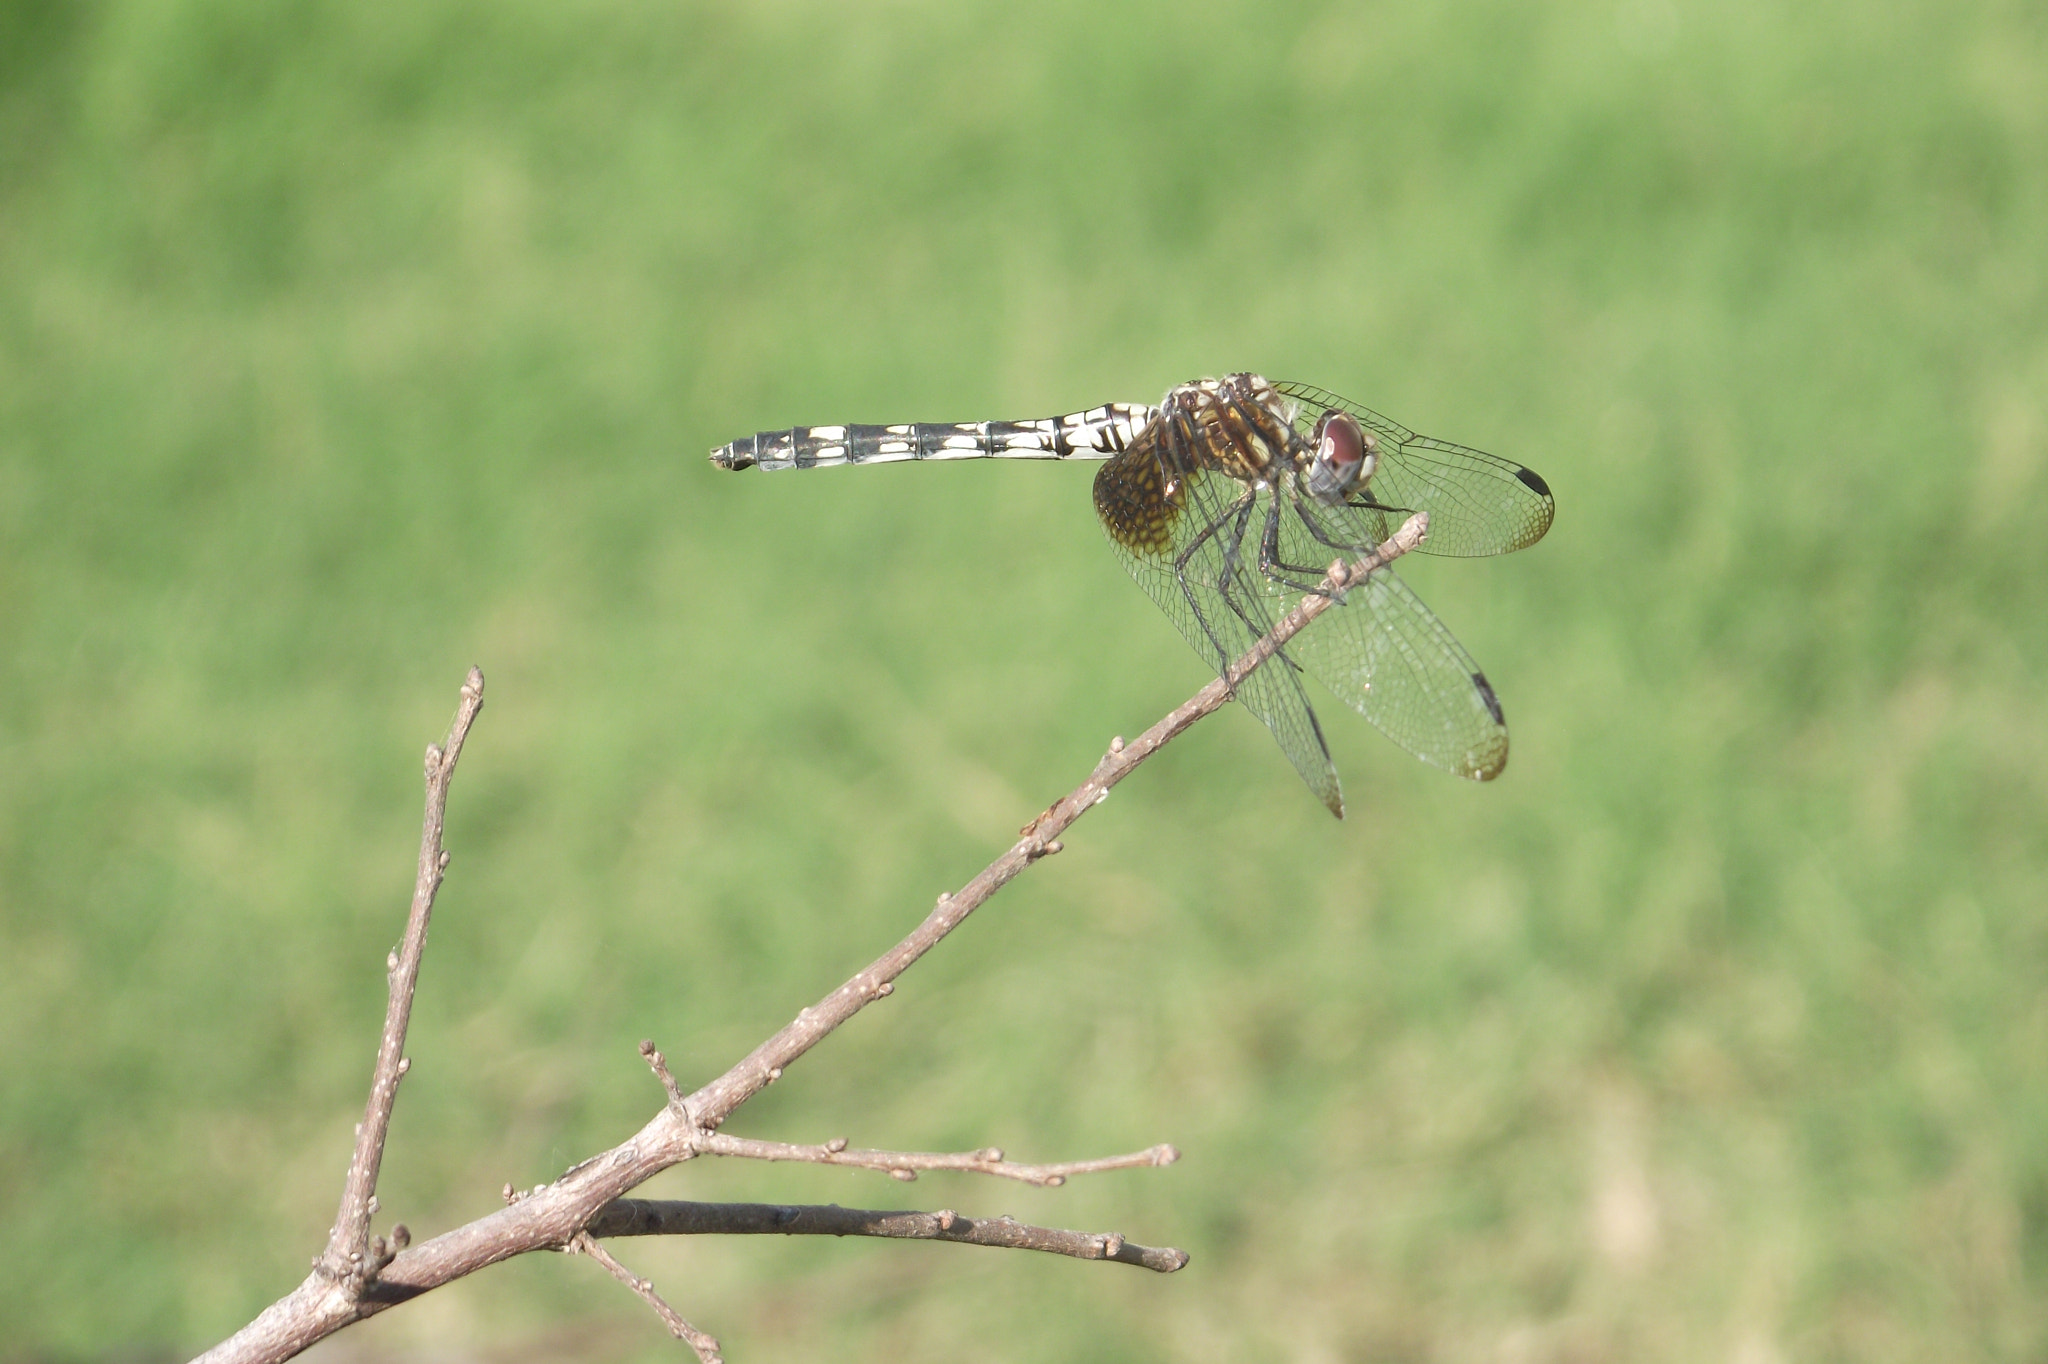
[1534,480]
[1486,694]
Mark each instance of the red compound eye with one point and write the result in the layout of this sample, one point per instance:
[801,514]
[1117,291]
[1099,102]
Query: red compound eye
[1340,444]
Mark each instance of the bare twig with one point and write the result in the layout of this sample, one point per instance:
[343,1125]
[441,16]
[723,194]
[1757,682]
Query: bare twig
[659,1065]
[661,1217]
[348,1254]
[905,1165]
[705,1346]
[553,1215]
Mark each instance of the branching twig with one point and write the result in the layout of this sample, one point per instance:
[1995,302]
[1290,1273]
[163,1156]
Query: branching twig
[658,1217]
[346,1286]
[905,1165]
[705,1346]
[348,1255]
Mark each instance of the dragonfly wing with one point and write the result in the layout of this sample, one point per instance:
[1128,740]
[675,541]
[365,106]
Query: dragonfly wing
[1191,541]
[1386,655]
[1478,503]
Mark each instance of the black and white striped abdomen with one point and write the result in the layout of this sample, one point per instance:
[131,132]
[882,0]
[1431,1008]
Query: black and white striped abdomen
[1095,434]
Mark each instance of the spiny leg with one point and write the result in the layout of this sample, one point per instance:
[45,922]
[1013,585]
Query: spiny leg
[1230,583]
[1302,577]
[1240,511]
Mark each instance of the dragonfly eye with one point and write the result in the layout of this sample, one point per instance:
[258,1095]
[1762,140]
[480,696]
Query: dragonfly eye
[1345,455]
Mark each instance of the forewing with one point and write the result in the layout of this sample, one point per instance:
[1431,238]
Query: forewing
[1386,655]
[1478,504]
[1178,537]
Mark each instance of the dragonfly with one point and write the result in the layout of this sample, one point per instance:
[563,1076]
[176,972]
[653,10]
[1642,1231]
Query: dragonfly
[1227,501]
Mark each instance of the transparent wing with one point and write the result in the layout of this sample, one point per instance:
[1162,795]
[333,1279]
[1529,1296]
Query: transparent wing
[1478,504]
[1386,655]
[1192,543]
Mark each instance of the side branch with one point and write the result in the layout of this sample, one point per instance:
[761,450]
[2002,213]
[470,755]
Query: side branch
[905,1165]
[348,1253]
[705,1346]
[662,1217]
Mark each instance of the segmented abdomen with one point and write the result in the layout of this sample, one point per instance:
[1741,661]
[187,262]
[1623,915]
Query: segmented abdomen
[1094,434]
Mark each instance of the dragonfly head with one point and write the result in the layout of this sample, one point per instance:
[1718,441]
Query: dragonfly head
[1345,457]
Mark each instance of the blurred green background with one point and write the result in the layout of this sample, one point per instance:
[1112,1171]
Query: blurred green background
[345,345]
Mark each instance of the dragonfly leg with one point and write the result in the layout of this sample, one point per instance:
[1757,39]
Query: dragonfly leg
[1367,502]
[1230,581]
[1301,577]
[1240,512]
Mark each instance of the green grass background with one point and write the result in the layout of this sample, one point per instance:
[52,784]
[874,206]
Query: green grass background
[345,345]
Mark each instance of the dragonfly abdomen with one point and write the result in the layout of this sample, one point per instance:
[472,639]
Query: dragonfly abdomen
[1094,434]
